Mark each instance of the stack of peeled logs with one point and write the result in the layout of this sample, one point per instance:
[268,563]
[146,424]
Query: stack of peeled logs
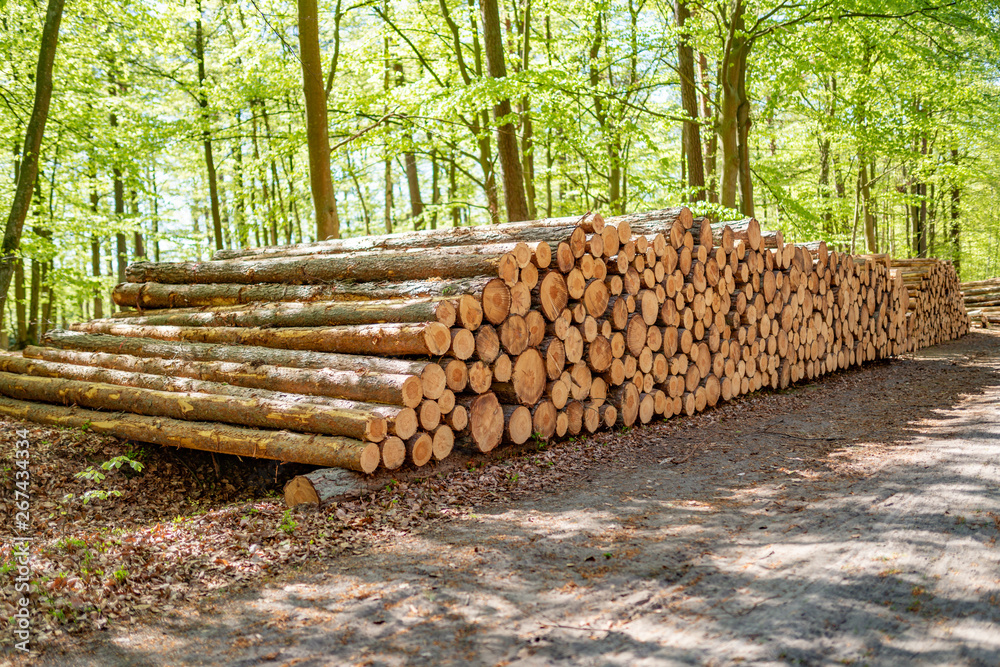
[391,350]
[982,301]
[938,313]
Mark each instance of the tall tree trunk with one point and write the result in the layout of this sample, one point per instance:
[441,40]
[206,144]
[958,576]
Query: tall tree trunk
[139,247]
[386,156]
[480,121]
[275,181]
[262,177]
[20,305]
[527,125]
[317,134]
[744,124]
[956,231]
[456,213]
[410,164]
[435,184]
[712,142]
[95,245]
[921,234]
[824,185]
[121,245]
[28,171]
[864,192]
[601,113]
[731,74]
[548,131]
[206,131]
[239,205]
[155,223]
[510,161]
[689,101]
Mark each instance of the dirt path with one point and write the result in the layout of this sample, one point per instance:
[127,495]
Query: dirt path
[850,521]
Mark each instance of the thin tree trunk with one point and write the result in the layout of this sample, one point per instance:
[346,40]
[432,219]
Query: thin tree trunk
[317,133]
[510,161]
[239,205]
[435,184]
[121,246]
[275,182]
[155,224]
[729,126]
[28,171]
[712,142]
[265,196]
[139,247]
[95,245]
[689,101]
[956,195]
[20,305]
[527,125]
[206,132]
[410,162]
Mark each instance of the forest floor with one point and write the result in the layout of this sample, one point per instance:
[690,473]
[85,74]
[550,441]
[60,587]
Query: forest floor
[852,520]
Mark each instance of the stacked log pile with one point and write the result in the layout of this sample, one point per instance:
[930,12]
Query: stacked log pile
[392,350]
[937,313]
[982,301]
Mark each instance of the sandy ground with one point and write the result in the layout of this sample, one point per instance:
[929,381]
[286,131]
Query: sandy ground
[850,521]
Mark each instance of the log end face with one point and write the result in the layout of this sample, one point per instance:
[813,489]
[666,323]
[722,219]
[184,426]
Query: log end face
[469,312]
[437,338]
[496,301]
[370,458]
[486,422]
[300,491]
[442,443]
[432,381]
[529,377]
[393,452]
[412,391]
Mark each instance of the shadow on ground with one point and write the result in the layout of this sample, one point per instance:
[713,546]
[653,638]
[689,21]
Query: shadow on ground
[850,521]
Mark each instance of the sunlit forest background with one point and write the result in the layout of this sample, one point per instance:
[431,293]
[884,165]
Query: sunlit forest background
[872,124]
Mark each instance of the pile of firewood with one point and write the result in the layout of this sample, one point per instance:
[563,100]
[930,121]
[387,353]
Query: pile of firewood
[935,301]
[392,350]
[982,301]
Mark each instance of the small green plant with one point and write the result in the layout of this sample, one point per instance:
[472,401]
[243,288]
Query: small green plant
[512,479]
[99,474]
[288,524]
[121,574]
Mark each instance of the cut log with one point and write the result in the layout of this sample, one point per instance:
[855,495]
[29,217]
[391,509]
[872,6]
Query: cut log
[428,339]
[206,436]
[442,442]
[393,452]
[315,314]
[486,422]
[192,406]
[452,262]
[148,295]
[420,449]
[543,420]
[356,385]
[322,486]
[526,232]
[458,418]
[399,421]
[518,423]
